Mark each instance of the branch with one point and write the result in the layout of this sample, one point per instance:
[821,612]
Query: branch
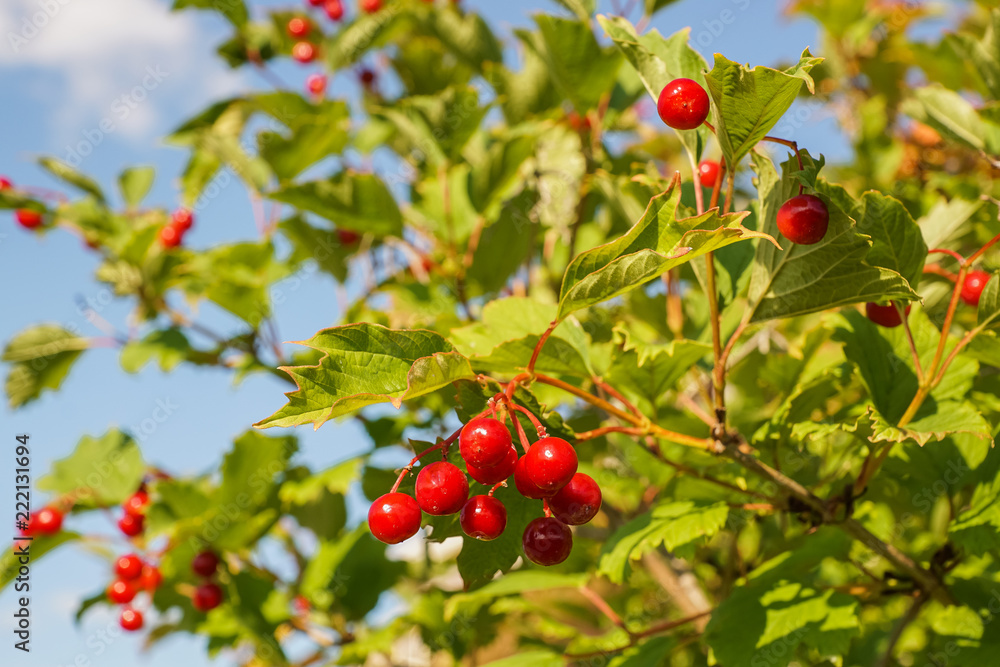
[910,616]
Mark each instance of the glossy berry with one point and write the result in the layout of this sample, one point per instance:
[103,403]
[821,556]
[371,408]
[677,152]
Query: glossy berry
[171,236]
[182,219]
[348,236]
[547,541]
[28,218]
[304,52]
[205,564]
[803,219]
[525,486]
[394,517]
[884,316]
[709,172]
[484,442]
[5,184]
[334,9]
[551,463]
[130,620]
[151,578]
[483,517]
[46,521]
[131,525]
[136,503]
[298,27]
[121,592]
[497,473]
[207,596]
[316,84]
[441,489]
[578,502]
[972,288]
[370,6]
[128,567]
[683,104]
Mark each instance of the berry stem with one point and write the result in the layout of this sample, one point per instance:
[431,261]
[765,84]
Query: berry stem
[540,345]
[979,253]
[599,382]
[522,436]
[602,606]
[795,147]
[937,270]
[539,427]
[945,251]
[442,446]
[604,430]
[495,487]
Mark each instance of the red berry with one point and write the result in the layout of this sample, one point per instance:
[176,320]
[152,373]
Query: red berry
[348,236]
[683,104]
[525,486]
[205,564]
[298,27]
[136,504]
[484,442]
[121,592]
[207,596]
[370,6]
[497,473]
[5,184]
[131,525]
[367,78]
[304,52]
[334,9]
[316,84]
[182,219]
[547,541]
[130,620]
[28,218]
[709,171]
[551,463]
[301,604]
[441,489]
[483,517]
[150,578]
[128,567]
[577,502]
[46,521]
[394,517]
[315,3]
[171,236]
[885,316]
[972,288]
[803,219]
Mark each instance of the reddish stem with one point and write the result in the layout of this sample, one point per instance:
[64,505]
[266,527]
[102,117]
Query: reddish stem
[945,251]
[936,270]
[539,427]
[540,345]
[979,253]
[495,487]
[442,446]
[617,395]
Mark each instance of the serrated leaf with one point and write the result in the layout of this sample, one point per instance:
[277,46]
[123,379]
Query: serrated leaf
[135,183]
[169,346]
[983,53]
[364,364]
[945,220]
[438,126]
[101,472]
[583,9]
[977,527]
[350,43]
[65,172]
[582,68]
[360,202]
[41,357]
[316,132]
[514,583]
[650,371]
[655,244]
[511,231]
[250,469]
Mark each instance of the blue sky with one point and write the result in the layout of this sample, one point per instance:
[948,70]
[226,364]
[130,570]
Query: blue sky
[81,68]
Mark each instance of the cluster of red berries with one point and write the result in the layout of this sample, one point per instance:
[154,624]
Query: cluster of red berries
[547,471]
[26,217]
[172,234]
[133,517]
[208,594]
[132,576]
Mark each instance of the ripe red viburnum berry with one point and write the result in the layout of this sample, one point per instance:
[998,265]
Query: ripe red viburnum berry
[121,592]
[348,236]
[128,566]
[304,52]
[579,123]
[803,219]
[367,78]
[334,9]
[578,502]
[972,288]
[551,463]
[316,84]
[5,184]
[441,488]
[370,6]
[205,564]
[394,517]
[483,517]
[171,236]
[884,316]
[298,27]
[484,442]
[182,219]
[136,503]
[709,172]
[130,620]
[207,596]
[315,3]
[28,218]
[547,541]
[683,104]
[497,473]
[46,521]
[301,604]
[131,525]
[150,578]
[525,486]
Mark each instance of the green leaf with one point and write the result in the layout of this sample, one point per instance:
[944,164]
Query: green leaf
[650,653]
[41,358]
[322,246]
[989,303]
[983,53]
[653,6]
[749,102]
[513,583]
[319,579]
[38,547]
[169,346]
[66,173]
[250,469]
[364,364]
[135,183]
[649,371]
[657,243]
[360,202]
[100,472]
[579,65]
[438,126]
[351,42]
[977,528]
[672,524]
[954,117]
[530,659]
[803,279]
[467,35]
[511,231]
[945,220]
[238,277]
[233,10]
[317,131]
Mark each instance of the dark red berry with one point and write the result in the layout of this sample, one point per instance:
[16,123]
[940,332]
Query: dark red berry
[497,473]
[150,578]
[207,596]
[131,525]
[171,236]
[885,316]
[316,84]
[683,104]
[709,172]
[484,442]
[441,489]
[205,564]
[5,184]
[334,9]
[394,517]
[136,504]
[121,592]
[28,218]
[547,541]
[130,620]
[315,3]
[304,52]
[578,502]
[972,288]
[525,486]
[551,463]
[298,27]
[483,517]
[46,521]
[367,78]
[370,6]
[182,219]
[128,567]
[803,219]
[348,236]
